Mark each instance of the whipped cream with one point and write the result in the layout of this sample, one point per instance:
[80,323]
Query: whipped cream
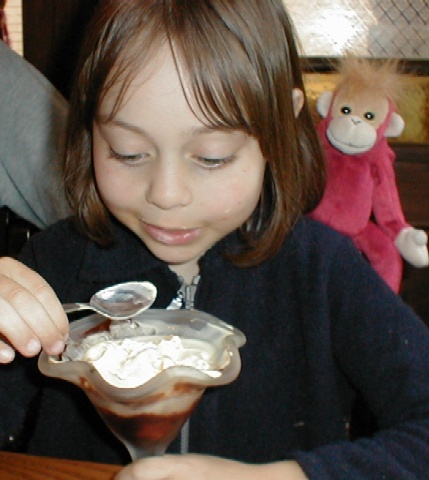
[131,362]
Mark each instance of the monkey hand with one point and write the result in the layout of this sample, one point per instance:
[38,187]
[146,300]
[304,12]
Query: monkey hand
[412,245]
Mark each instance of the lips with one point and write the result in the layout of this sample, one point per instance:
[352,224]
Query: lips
[172,236]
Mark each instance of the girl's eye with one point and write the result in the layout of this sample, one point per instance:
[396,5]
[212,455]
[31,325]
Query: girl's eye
[126,158]
[214,162]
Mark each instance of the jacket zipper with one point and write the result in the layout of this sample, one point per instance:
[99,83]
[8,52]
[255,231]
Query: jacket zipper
[190,291]
[185,295]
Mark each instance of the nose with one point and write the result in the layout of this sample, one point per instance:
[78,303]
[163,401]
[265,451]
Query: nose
[169,185]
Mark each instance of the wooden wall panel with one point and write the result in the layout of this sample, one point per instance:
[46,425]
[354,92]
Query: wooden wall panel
[52,33]
[412,176]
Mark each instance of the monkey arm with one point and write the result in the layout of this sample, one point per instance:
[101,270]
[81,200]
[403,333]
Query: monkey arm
[387,208]
[388,213]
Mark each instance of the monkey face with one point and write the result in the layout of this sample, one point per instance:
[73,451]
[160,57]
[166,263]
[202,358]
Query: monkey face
[355,122]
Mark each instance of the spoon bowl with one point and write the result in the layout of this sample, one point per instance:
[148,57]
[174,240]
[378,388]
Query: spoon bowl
[118,302]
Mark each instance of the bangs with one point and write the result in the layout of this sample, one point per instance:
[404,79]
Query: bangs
[224,66]
[213,63]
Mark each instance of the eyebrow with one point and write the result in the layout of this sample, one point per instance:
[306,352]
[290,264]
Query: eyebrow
[117,122]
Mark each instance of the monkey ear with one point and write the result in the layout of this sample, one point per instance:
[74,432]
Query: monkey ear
[323,103]
[396,126]
[297,100]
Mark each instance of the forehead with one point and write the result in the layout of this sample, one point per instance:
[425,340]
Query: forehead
[362,98]
[221,94]
[155,99]
[151,76]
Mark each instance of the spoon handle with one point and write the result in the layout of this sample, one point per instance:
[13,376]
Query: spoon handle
[74,307]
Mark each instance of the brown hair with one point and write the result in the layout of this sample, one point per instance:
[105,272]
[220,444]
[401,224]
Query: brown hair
[242,62]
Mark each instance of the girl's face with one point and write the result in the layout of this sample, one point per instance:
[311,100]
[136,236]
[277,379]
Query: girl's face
[178,185]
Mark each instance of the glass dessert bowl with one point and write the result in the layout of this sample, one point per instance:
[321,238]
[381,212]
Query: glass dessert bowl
[146,376]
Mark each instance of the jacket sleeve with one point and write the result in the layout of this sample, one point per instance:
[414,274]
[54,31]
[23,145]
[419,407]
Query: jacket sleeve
[18,395]
[382,349]
[18,403]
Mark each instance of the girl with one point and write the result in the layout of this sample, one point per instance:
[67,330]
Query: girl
[190,161]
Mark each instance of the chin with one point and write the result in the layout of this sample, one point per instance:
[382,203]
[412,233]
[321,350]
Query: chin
[172,258]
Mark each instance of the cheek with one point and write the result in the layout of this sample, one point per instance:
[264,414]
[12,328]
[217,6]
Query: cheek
[237,199]
[111,184]
[108,178]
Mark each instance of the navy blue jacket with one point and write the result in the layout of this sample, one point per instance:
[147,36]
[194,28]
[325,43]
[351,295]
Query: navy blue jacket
[326,338]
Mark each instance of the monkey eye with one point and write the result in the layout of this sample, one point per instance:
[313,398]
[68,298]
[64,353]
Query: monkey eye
[346,110]
[369,115]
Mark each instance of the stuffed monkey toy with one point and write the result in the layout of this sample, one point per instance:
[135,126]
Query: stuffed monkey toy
[361,198]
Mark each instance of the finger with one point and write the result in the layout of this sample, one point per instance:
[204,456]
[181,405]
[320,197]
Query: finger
[7,353]
[28,330]
[151,468]
[134,471]
[14,334]
[36,289]
[31,315]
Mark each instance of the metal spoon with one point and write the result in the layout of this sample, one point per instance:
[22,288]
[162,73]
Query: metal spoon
[118,302]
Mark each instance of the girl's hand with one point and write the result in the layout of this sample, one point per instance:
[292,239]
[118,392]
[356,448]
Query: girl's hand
[203,467]
[31,316]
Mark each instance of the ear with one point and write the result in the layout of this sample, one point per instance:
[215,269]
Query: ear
[297,100]
[396,126]
[323,103]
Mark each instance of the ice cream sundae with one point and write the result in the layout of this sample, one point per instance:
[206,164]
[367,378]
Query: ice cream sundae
[146,377]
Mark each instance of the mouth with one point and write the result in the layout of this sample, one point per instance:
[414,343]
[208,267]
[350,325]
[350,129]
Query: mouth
[171,236]
[354,147]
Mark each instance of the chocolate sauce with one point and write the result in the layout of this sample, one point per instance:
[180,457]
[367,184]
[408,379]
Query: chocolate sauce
[101,327]
[146,430]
